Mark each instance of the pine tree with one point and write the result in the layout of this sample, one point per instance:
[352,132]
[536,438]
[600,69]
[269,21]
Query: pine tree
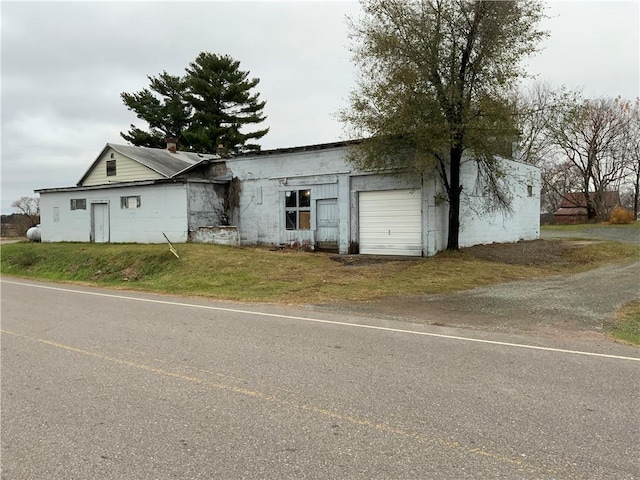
[164,109]
[220,95]
[209,106]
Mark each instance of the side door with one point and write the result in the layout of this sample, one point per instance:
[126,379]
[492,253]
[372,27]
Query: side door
[100,222]
[327,224]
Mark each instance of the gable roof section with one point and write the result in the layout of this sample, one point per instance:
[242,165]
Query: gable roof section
[575,203]
[159,160]
[579,200]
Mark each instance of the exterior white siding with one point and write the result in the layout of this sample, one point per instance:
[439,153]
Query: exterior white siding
[163,208]
[480,225]
[328,174]
[391,222]
[127,170]
[415,223]
[265,183]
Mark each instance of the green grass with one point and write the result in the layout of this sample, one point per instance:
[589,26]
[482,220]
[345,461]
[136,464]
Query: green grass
[584,226]
[626,325]
[262,275]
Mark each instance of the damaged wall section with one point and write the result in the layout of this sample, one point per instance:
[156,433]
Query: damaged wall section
[220,235]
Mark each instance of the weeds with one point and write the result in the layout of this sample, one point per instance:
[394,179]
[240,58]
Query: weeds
[287,276]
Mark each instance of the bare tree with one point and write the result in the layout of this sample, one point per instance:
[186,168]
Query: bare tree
[590,134]
[631,146]
[534,105]
[558,178]
[29,208]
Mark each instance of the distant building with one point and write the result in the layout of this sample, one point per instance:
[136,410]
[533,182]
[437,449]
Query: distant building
[573,208]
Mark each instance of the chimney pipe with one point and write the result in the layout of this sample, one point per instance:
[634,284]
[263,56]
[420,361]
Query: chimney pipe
[172,144]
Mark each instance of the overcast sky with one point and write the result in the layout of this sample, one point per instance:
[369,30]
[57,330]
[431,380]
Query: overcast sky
[64,65]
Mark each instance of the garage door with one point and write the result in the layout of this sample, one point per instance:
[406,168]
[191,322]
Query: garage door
[390,222]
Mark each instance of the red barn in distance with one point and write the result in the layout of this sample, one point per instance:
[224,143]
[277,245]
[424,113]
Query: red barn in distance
[573,208]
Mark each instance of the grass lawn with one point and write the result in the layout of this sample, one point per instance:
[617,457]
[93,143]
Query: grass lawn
[626,325]
[290,277]
[584,226]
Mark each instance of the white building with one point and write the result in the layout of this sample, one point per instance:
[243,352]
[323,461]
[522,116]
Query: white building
[304,195]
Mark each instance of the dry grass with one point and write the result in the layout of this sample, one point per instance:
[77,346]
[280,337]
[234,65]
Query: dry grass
[291,277]
[626,325]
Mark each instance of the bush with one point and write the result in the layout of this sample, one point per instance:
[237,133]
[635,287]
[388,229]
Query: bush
[620,215]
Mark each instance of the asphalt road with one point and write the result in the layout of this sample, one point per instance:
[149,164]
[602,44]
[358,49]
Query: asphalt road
[99,384]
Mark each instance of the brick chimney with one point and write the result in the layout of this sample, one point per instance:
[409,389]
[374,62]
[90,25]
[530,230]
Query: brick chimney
[172,144]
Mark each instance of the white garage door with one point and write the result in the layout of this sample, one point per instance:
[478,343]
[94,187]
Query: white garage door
[390,222]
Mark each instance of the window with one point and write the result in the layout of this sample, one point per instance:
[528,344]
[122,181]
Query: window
[130,202]
[298,209]
[78,204]
[111,168]
[530,190]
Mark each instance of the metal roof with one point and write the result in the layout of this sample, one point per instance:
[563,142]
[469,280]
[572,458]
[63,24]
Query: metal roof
[222,179]
[159,160]
[305,148]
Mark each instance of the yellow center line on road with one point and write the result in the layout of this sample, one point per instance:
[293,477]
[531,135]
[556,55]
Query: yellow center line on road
[383,427]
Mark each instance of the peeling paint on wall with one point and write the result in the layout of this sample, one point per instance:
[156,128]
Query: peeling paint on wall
[219,235]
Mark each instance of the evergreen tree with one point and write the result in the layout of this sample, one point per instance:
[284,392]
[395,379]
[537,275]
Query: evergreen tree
[220,95]
[164,109]
[208,107]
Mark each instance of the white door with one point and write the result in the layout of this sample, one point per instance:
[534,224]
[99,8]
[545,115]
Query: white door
[390,222]
[100,222]
[327,224]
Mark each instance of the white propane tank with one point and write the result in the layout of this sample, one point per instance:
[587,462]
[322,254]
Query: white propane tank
[33,233]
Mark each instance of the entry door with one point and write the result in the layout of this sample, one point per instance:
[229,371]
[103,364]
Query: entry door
[100,222]
[327,224]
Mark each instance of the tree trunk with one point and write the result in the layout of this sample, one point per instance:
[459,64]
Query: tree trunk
[592,211]
[454,200]
[636,195]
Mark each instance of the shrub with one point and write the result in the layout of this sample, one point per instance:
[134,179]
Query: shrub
[620,215]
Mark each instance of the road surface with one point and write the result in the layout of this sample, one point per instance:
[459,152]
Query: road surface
[107,384]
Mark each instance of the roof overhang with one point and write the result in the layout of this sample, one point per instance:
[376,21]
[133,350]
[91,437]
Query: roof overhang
[138,183]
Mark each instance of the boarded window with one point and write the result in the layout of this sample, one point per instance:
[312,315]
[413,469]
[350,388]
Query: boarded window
[297,209]
[128,203]
[78,204]
[111,168]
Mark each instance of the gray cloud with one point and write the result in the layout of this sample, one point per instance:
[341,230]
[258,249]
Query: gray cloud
[64,65]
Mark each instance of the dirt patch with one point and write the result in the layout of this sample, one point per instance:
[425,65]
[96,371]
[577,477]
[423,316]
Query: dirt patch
[363,260]
[534,253]
[131,273]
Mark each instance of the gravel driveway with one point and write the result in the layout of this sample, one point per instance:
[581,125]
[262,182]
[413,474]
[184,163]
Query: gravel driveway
[620,234]
[564,305]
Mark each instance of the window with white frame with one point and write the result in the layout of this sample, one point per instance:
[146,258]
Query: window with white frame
[129,203]
[78,204]
[298,209]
